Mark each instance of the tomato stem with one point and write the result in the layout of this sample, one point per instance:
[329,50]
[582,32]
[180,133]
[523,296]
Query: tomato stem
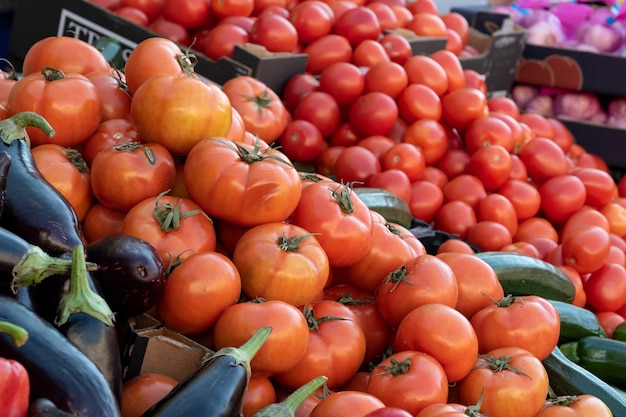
[565,400]
[398,276]
[262,101]
[499,364]
[292,244]
[76,159]
[348,300]
[396,368]
[169,215]
[314,322]
[288,407]
[344,198]
[52,74]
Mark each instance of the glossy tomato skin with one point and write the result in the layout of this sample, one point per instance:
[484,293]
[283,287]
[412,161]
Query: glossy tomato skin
[355,165]
[179,112]
[302,141]
[269,189]
[115,99]
[339,218]
[108,134]
[503,391]
[280,261]
[326,50]
[284,347]
[142,391]
[336,346]
[461,107]
[373,114]
[583,405]
[528,322]
[188,13]
[312,20]
[321,109]
[358,24]
[124,175]
[68,101]
[423,382]
[353,403]
[389,412]
[65,53]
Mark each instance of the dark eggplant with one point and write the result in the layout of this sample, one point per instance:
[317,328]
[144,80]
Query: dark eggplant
[58,371]
[217,388]
[38,212]
[43,407]
[130,272]
[5,163]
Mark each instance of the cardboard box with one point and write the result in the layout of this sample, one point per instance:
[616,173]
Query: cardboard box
[605,141]
[34,20]
[151,347]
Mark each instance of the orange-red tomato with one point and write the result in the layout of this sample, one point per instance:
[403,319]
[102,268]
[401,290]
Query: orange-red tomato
[115,98]
[65,53]
[579,405]
[101,221]
[586,249]
[259,394]
[143,391]
[343,403]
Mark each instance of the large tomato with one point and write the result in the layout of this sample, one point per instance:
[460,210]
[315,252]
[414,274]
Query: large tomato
[327,50]
[461,107]
[424,279]
[275,32]
[343,403]
[115,99]
[280,261]
[321,109]
[561,197]
[583,405]
[510,382]
[529,322]
[68,101]
[373,114]
[67,54]
[193,300]
[543,159]
[240,183]
[336,346]
[67,171]
[262,111]
[108,134]
[339,218]
[442,332]
[410,379]
[176,227]
[312,20]
[284,347]
[125,174]
[586,249]
[178,112]
[606,288]
[344,81]
[358,24]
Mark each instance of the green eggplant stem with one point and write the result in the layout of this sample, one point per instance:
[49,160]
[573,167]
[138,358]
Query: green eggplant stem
[14,127]
[36,265]
[245,353]
[288,407]
[18,334]
[81,298]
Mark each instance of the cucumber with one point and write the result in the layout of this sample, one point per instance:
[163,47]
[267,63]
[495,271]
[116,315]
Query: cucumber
[393,208]
[524,275]
[603,357]
[620,332]
[568,378]
[576,322]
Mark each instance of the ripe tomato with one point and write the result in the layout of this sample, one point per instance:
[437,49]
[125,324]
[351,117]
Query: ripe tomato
[561,197]
[461,107]
[170,30]
[502,380]
[188,13]
[297,87]
[302,141]
[430,137]
[68,101]
[312,20]
[422,69]
[578,405]
[284,347]
[498,208]
[442,332]
[452,66]
[529,322]
[458,23]
[444,409]
[389,412]
[178,112]
[144,390]
[586,249]
[410,379]
[133,14]
[101,221]
[543,159]
[426,198]
[364,306]
[108,134]
[476,280]
[276,33]
[124,175]
[504,104]
[387,77]
[176,227]
[67,171]
[615,214]
[491,165]
[260,107]
[465,187]
[455,217]
[393,245]
[407,158]
[279,261]
[373,114]
[599,185]
[321,109]
[524,197]
[489,235]
[609,320]
[538,124]
[221,40]
[64,53]
[368,53]
[584,217]
[427,24]
[259,394]
[397,47]
[455,246]
[377,144]
[424,279]
[269,187]
[325,163]
[344,81]
[387,19]
[454,162]
[486,131]
[419,101]
[355,165]
[342,403]
[327,50]
[358,24]
[192,299]
[115,99]
[606,287]
[339,218]
[152,8]
[336,346]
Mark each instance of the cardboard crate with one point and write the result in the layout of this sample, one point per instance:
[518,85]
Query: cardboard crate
[34,20]
[605,141]
[151,347]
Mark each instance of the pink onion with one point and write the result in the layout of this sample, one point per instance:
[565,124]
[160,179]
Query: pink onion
[578,105]
[616,111]
[523,93]
[544,33]
[604,37]
[541,104]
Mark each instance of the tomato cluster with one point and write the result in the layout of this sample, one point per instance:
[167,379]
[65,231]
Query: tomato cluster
[191,168]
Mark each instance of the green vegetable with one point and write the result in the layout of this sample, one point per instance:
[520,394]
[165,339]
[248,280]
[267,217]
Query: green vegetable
[605,358]
[393,208]
[576,322]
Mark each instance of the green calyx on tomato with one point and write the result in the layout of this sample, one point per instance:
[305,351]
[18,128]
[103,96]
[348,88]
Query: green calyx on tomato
[169,215]
[314,322]
[344,198]
[349,300]
[52,74]
[262,100]
[291,244]
[187,62]
[256,154]
[396,367]
[397,276]
[133,146]
[499,364]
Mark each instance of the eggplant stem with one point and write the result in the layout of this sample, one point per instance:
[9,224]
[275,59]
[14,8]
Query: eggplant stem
[244,354]
[18,334]
[14,127]
[288,407]
[36,265]
[81,298]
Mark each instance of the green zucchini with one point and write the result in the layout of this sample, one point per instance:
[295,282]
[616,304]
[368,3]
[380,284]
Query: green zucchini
[524,275]
[393,208]
[620,332]
[568,378]
[576,322]
[603,357]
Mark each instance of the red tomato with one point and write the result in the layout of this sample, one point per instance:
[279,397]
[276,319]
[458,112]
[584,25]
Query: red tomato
[114,97]
[222,38]
[321,109]
[64,53]
[353,403]
[325,163]
[345,136]
[606,287]
[426,198]
[192,300]
[358,24]
[124,175]
[133,14]
[268,186]
[458,23]
[302,141]
[327,50]
[488,130]
[427,24]
[336,346]
[407,158]
[373,114]
[389,412]
[284,347]
[524,197]
[231,8]
[276,33]
[101,221]
[454,162]
[581,405]
[442,332]
[344,81]
[543,159]
[108,134]
[339,218]
[584,217]
[377,144]
[410,379]
[188,13]
[461,107]
[143,391]
[465,187]
[599,185]
[455,246]
[586,249]
[152,8]
[489,235]
[392,180]
[430,137]
[297,87]
[387,19]
[368,53]
[422,69]
[503,380]
[424,279]
[355,165]
[455,217]
[498,208]
[312,20]
[538,124]
[419,101]
[259,394]
[386,77]
[474,79]
[170,30]
[561,197]
[452,66]
[492,165]
[397,47]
